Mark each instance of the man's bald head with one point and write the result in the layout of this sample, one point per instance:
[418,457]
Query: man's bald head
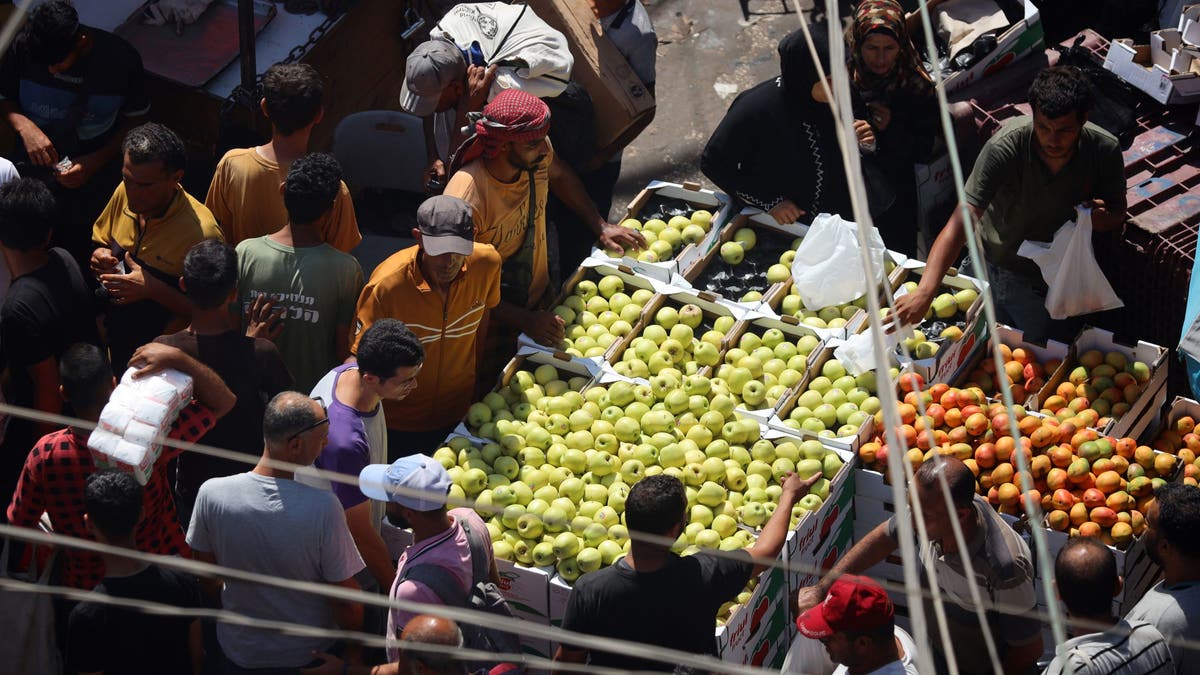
[431,630]
[1085,573]
[958,477]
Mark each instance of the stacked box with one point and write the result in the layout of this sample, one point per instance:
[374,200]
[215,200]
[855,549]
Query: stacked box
[527,590]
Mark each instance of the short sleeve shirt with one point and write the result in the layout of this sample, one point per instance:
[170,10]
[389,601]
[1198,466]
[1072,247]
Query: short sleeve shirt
[673,607]
[316,286]
[1174,612]
[164,242]
[450,550]
[501,214]
[244,197]
[1023,200]
[110,75]
[447,326]
[356,438]
[1004,574]
[1128,648]
[56,472]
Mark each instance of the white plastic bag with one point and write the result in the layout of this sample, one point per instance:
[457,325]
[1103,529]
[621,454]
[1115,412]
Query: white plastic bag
[827,269]
[1068,263]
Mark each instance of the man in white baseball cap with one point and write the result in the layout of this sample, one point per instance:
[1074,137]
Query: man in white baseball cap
[443,289]
[415,488]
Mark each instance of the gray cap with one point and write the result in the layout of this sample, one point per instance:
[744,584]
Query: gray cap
[446,226]
[430,68]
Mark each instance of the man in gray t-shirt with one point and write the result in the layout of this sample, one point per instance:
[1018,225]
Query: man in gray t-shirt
[1173,605]
[265,522]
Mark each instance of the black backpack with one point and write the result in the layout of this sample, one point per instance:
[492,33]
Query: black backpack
[483,596]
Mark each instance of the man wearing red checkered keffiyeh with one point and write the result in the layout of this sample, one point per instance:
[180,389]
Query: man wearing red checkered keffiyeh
[506,171]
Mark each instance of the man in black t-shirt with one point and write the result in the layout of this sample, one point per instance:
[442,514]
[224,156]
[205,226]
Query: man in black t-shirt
[49,307]
[70,92]
[111,639]
[249,364]
[656,597]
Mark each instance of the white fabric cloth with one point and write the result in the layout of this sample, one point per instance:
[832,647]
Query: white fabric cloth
[532,56]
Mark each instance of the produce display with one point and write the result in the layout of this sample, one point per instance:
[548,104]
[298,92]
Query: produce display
[945,320]
[764,366]
[667,234]
[553,479]
[599,313]
[750,261]
[834,316]
[1024,374]
[1105,382]
[1088,484]
[835,403]
[677,336]
[1180,439]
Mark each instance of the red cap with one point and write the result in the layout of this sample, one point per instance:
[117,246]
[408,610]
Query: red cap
[854,605]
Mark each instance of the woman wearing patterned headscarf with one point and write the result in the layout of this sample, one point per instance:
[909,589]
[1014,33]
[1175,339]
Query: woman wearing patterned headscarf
[895,99]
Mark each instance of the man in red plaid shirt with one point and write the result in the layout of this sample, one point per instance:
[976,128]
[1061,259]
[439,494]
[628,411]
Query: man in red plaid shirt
[59,465]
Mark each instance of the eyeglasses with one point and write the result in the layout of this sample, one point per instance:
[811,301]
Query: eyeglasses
[314,425]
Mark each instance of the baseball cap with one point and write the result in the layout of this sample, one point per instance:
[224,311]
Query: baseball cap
[446,226]
[415,472]
[854,604]
[430,68]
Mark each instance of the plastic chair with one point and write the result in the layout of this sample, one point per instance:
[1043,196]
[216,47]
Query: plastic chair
[382,149]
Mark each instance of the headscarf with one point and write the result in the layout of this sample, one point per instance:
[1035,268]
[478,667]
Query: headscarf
[513,116]
[885,17]
[798,73]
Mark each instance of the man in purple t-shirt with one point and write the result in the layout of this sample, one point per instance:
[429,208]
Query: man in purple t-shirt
[389,358]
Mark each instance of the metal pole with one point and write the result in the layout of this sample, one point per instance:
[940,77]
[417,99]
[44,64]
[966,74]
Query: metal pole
[246,54]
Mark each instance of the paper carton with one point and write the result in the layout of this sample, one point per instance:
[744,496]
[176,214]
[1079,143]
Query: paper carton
[527,590]
[1023,37]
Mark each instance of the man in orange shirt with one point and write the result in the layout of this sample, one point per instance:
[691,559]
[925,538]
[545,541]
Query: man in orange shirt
[442,289]
[507,169]
[244,194]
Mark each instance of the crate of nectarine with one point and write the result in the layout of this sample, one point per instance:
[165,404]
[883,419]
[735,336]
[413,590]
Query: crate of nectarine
[1088,484]
[1175,433]
[1123,384]
[1025,366]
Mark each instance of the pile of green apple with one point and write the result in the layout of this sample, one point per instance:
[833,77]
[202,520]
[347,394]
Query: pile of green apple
[835,404]
[833,316]
[599,313]
[665,238]
[763,367]
[673,339]
[727,610]
[553,480]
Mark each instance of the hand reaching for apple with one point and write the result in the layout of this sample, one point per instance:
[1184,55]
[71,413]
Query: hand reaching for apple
[618,238]
[546,328]
[911,308]
[798,487]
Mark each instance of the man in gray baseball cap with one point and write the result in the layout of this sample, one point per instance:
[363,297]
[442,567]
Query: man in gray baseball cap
[443,289]
[434,78]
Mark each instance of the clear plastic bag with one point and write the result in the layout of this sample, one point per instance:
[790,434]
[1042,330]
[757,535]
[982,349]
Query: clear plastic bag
[1076,283]
[827,269]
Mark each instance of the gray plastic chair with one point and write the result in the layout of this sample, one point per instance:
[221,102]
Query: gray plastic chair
[382,149]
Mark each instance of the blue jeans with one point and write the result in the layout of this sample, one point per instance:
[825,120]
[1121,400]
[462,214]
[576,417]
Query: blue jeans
[1019,302]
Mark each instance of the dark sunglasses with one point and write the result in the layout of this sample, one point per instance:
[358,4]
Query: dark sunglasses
[314,425]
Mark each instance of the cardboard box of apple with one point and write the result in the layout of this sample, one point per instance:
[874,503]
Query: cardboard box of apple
[747,265]
[944,321]
[764,366]
[666,238]
[598,312]
[831,403]
[683,336]
[1088,484]
[562,454]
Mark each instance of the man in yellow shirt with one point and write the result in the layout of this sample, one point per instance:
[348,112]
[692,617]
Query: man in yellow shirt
[244,194]
[507,169]
[142,237]
[442,289]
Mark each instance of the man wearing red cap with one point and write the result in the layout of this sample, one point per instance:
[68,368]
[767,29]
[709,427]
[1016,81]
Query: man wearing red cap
[505,172]
[857,624]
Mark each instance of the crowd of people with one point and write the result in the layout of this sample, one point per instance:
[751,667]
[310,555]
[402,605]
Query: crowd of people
[298,361]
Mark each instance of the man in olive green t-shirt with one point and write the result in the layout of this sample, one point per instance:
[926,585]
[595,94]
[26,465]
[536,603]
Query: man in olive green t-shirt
[1026,183]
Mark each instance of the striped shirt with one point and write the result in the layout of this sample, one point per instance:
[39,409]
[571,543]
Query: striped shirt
[1128,648]
[447,327]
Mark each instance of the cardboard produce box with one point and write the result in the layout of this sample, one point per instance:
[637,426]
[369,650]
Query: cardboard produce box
[1018,41]
[769,232]
[1144,410]
[1051,350]
[848,443]
[527,590]
[792,333]
[952,357]
[623,105]
[688,196]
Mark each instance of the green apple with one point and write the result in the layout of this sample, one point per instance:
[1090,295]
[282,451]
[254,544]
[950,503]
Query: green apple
[609,551]
[732,252]
[746,237]
[753,514]
[777,273]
